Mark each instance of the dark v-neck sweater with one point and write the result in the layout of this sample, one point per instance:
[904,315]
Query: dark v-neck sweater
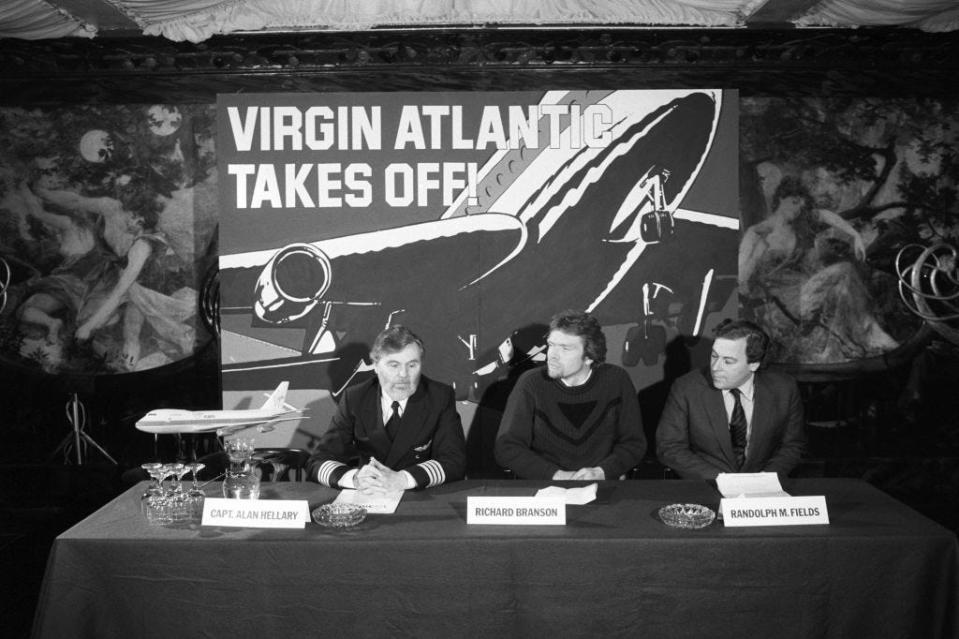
[548,426]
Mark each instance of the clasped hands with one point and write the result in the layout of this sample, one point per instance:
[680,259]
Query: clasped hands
[592,473]
[375,478]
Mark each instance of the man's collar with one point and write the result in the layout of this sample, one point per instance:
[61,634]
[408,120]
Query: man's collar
[387,401]
[589,373]
[748,387]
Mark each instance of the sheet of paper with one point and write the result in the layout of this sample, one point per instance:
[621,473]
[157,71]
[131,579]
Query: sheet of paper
[571,496]
[750,485]
[380,504]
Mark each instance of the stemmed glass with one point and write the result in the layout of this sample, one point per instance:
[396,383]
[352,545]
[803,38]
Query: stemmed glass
[195,495]
[158,508]
[154,489]
[166,471]
[178,498]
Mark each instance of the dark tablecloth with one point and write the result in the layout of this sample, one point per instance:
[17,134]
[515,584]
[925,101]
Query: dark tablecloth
[615,570]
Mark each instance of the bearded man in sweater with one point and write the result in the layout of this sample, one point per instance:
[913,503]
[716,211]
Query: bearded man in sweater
[577,418]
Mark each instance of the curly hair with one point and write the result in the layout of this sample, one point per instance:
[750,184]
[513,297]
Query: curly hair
[792,186]
[806,223]
[137,196]
[585,326]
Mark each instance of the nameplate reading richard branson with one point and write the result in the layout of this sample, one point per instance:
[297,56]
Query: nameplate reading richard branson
[516,511]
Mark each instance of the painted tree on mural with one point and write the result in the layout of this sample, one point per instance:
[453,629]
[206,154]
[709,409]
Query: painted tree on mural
[107,217]
[888,171]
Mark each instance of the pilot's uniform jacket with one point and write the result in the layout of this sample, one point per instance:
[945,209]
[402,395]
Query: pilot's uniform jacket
[429,443]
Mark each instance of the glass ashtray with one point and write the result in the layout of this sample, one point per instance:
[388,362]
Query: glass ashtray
[339,515]
[689,516]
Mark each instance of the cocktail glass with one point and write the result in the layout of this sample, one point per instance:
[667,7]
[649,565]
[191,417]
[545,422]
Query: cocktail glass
[195,496]
[154,489]
[178,497]
[158,505]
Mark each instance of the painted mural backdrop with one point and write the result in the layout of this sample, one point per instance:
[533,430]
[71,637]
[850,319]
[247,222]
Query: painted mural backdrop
[471,218]
[107,223]
[833,189]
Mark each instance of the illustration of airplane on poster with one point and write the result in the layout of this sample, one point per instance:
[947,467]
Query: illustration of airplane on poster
[471,218]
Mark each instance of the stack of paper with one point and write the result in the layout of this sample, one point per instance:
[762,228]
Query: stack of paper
[750,485]
[379,504]
[572,496]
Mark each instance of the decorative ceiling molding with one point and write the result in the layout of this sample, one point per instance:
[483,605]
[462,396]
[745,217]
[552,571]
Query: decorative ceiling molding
[198,20]
[820,62]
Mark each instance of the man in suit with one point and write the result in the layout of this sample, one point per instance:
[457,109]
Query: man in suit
[734,417]
[401,427]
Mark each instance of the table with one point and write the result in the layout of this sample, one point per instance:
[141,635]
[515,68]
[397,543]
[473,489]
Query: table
[879,569]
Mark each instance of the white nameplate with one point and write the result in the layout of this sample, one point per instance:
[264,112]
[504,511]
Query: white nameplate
[774,511]
[255,513]
[516,511]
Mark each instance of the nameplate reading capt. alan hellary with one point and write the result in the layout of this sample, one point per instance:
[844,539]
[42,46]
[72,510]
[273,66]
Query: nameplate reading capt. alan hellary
[774,511]
[255,513]
[516,511]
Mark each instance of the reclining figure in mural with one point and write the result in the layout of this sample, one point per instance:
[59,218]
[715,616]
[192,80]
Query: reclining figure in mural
[117,270]
[803,287]
[151,287]
[73,288]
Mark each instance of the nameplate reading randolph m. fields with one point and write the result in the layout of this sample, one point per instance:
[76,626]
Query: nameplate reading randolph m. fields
[516,511]
[774,511]
[255,513]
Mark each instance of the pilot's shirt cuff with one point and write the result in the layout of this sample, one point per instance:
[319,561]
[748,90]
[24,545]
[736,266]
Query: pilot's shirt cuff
[348,479]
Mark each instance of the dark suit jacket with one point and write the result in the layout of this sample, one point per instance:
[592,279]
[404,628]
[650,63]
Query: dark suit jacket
[429,445]
[693,433]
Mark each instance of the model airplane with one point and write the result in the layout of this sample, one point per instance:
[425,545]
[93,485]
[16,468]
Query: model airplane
[168,421]
[477,287]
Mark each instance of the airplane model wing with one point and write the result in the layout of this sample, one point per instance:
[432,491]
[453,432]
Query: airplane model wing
[264,427]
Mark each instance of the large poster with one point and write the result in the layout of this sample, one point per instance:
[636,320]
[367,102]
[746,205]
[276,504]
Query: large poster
[471,218]
[107,225]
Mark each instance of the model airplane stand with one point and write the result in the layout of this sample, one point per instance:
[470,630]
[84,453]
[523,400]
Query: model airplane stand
[77,439]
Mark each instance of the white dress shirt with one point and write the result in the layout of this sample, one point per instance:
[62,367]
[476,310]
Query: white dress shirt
[746,390]
[348,480]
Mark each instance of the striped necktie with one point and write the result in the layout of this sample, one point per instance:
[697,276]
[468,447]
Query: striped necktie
[393,423]
[737,429]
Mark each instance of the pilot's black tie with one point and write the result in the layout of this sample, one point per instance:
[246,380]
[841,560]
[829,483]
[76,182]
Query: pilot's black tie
[737,429]
[393,423]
